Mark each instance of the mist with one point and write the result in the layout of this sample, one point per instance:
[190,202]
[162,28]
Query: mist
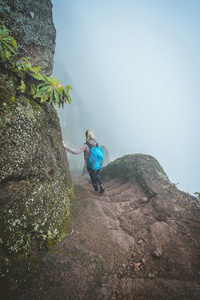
[136,67]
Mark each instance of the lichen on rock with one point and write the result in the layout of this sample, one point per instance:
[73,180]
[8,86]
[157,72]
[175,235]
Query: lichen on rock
[143,169]
[36,189]
[146,172]
[35,184]
[32,26]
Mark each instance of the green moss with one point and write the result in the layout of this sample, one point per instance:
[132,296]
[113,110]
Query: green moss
[35,105]
[100,273]
[135,167]
[35,188]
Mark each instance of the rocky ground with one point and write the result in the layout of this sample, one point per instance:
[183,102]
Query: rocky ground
[123,244]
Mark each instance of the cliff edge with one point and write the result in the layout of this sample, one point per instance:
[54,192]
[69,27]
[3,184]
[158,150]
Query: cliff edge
[35,183]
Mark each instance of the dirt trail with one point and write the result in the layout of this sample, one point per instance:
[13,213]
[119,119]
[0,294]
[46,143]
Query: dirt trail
[99,229]
[117,247]
[141,256]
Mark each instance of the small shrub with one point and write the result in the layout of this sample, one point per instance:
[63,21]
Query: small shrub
[51,90]
[8,45]
[32,83]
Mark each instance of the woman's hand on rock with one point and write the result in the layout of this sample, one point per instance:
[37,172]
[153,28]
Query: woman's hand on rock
[64,144]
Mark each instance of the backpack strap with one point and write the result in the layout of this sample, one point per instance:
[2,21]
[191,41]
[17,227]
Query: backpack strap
[90,146]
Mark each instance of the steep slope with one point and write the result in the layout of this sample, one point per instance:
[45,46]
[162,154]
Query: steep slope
[139,240]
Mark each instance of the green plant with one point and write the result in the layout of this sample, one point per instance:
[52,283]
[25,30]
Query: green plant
[8,45]
[27,74]
[23,67]
[51,90]
[197,195]
[35,85]
[24,70]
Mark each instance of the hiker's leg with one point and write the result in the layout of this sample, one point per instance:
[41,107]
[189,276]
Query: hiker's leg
[98,179]
[93,178]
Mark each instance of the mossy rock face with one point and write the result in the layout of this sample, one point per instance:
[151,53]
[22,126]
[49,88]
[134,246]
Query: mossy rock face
[35,184]
[145,172]
[8,84]
[31,24]
[143,169]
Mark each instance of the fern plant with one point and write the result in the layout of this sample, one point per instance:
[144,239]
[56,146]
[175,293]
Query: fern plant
[48,89]
[32,83]
[51,90]
[24,70]
[37,85]
[8,45]
[23,67]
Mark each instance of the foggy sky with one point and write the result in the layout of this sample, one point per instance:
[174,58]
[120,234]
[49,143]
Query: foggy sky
[136,66]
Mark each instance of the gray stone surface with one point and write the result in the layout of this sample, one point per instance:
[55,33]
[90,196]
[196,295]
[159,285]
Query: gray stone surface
[31,24]
[35,183]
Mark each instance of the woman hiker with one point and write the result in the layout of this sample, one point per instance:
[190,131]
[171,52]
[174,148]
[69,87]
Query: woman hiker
[90,143]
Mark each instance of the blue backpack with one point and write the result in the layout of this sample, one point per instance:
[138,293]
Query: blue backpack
[95,158]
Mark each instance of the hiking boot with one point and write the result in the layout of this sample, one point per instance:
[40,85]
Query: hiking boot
[101,188]
[95,188]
